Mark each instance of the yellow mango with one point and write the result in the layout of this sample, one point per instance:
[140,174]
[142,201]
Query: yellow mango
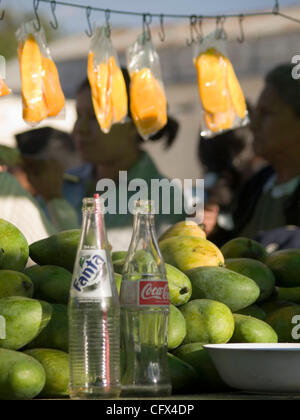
[148,102]
[187,252]
[118,91]
[34,106]
[3,88]
[224,120]
[211,68]
[100,82]
[54,96]
[236,93]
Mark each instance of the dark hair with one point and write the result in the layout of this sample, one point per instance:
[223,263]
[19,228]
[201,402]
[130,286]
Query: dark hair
[217,153]
[34,142]
[287,87]
[169,132]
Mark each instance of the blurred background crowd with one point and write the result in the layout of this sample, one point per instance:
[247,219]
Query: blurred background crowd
[252,174]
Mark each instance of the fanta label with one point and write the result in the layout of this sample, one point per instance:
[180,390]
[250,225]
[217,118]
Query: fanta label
[145,293]
[91,277]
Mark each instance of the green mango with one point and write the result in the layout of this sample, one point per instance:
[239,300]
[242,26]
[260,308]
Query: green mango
[25,318]
[183,376]
[290,294]
[273,305]
[180,287]
[14,283]
[252,330]
[257,271]
[184,228]
[244,248]
[207,322]
[285,322]
[56,366]
[177,328]
[187,252]
[118,280]
[51,283]
[196,355]
[223,285]
[285,265]
[254,311]
[14,249]
[21,376]
[118,266]
[59,249]
[118,255]
[56,333]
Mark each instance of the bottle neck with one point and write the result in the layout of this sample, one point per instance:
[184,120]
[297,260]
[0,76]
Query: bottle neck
[143,227]
[93,234]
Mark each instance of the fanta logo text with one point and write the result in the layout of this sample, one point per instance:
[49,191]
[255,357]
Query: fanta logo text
[90,274]
[156,292]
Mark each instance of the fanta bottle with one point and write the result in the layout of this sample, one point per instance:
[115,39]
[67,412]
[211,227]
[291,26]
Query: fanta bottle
[94,313]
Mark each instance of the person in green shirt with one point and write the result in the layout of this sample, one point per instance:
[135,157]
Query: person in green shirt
[271,198]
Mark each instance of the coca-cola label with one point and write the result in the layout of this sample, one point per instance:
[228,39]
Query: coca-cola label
[145,293]
[154,293]
[91,276]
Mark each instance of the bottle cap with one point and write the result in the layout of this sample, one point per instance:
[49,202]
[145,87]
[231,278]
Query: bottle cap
[92,204]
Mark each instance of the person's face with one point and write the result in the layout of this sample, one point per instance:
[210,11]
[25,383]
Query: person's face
[95,146]
[275,125]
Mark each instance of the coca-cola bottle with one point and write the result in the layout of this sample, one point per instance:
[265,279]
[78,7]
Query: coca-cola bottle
[94,313]
[144,299]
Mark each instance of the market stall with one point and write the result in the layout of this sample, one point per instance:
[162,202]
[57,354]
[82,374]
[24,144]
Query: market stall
[176,315]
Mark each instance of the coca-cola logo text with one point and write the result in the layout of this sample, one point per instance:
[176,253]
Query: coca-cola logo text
[154,293]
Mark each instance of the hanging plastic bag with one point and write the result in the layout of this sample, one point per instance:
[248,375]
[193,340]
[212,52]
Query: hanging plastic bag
[41,89]
[223,102]
[148,102]
[4,90]
[106,79]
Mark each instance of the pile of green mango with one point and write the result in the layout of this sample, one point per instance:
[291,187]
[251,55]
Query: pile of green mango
[34,359]
[236,294]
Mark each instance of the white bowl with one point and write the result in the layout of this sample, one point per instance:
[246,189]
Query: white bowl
[258,368]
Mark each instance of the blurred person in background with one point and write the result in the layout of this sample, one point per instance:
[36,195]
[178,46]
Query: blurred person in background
[46,154]
[228,161]
[106,155]
[17,205]
[269,202]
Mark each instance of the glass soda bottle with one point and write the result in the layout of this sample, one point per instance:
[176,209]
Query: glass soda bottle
[144,299]
[94,313]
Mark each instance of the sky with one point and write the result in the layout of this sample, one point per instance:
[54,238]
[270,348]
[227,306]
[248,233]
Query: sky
[74,20]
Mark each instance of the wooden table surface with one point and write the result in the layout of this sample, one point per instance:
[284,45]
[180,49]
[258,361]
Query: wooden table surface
[231,396]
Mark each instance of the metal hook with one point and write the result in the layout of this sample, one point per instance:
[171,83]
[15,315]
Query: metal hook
[35,8]
[107,20]
[53,7]
[241,38]
[220,31]
[276,8]
[147,20]
[2,14]
[88,11]
[193,23]
[200,24]
[162,33]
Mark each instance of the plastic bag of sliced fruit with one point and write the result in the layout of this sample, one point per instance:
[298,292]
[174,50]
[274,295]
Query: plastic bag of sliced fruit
[41,89]
[148,102]
[222,98]
[107,82]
